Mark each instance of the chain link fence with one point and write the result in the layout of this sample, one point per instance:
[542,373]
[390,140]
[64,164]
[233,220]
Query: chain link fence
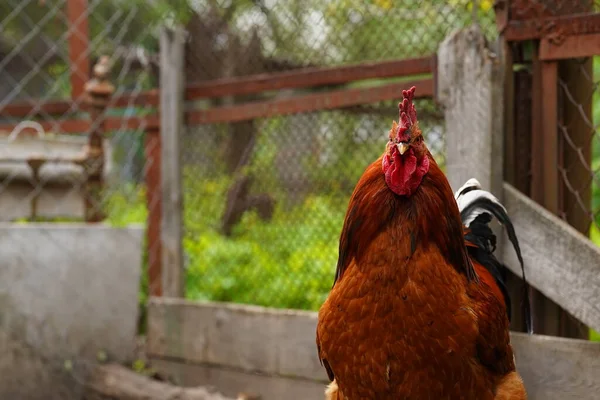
[263,224]
[273,36]
[578,123]
[265,199]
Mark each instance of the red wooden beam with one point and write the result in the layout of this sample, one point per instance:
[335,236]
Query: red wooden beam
[143,99]
[309,77]
[243,85]
[68,126]
[307,103]
[61,107]
[537,130]
[154,204]
[27,109]
[549,109]
[569,25]
[81,126]
[79,38]
[570,47]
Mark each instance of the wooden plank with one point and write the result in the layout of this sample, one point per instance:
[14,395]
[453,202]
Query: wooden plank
[69,126]
[226,343]
[567,25]
[501,9]
[172,43]
[232,382]
[549,125]
[570,47]
[512,169]
[149,98]
[81,126]
[152,152]
[470,86]
[312,102]
[248,338]
[60,107]
[560,262]
[546,314]
[31,109]
[557,368]
[537,133]
[243,85]
[309,77]
[115,381]
[78,38]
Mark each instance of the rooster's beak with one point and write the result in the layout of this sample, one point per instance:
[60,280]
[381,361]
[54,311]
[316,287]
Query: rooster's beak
[402,147]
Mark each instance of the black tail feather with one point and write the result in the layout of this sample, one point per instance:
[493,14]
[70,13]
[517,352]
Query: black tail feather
[480,204]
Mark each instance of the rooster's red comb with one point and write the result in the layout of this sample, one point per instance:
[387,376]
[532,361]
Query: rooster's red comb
[406,108]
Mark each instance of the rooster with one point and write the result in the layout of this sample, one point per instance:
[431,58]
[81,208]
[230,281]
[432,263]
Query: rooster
[416,310]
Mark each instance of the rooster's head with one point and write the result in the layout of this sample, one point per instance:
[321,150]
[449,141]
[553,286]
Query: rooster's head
[406,160]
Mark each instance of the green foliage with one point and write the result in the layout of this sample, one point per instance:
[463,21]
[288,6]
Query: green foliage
[288,262]
[126,206]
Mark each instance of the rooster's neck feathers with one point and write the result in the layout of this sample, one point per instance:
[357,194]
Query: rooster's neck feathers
[374,208]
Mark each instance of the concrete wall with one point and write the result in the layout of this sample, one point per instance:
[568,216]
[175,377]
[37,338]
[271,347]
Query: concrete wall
[68,292]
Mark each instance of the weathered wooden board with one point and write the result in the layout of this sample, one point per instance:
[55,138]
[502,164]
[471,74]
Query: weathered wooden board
[556,368]
[251,338]
[235,382]
[470,83]
[259,349]
[559,261]
[114,381]
[172,49]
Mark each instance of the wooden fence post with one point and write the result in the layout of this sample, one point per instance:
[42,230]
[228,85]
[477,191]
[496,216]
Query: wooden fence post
[98,90]
[152,150]
[171,125]
[470,87]
[79,46]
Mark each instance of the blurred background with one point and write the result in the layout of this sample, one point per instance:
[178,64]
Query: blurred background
[304,165]
[264,193]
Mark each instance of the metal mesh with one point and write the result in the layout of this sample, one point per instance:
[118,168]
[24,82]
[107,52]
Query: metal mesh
[266,230]
[272,36]
[578,129]
[265,200]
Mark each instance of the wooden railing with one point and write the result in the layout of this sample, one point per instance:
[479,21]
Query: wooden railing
[272,353]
